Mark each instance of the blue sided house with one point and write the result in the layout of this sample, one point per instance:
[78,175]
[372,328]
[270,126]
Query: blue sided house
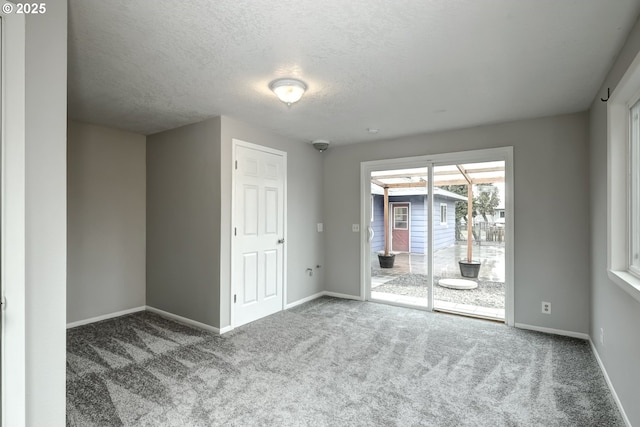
[408,219]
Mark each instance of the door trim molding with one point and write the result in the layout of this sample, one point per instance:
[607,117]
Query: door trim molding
[240,143]
[472,156]
[13,221]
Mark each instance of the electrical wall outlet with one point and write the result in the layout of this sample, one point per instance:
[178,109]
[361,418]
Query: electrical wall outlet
[355,228]
[320,227]
[601,336]
[546,307]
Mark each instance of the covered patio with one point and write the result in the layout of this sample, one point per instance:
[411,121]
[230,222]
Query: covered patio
[406,282]
[415,181]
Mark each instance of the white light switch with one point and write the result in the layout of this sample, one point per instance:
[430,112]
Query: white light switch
[320,227]
[355,228]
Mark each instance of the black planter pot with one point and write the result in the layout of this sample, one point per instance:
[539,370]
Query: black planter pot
[469,269]
[386,261]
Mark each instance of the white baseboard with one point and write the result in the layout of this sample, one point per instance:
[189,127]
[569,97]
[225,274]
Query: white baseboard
[553,331]
[104,317]
[184,320]
[303,300]
[343,296]
[610,384]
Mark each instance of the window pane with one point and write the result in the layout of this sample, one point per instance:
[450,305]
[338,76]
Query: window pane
[634,208]
[400,217]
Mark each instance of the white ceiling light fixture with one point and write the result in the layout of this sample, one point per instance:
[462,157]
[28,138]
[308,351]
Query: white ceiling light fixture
[288,90]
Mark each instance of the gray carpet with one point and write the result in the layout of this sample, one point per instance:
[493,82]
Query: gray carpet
[332,362]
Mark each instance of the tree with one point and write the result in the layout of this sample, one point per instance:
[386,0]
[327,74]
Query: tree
[487,200]
[484,203]
[461,207]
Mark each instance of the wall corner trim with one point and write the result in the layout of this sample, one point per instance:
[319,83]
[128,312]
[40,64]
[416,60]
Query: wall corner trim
[186,320]
[572,334]
[226,329]
[105,317]
[610,384]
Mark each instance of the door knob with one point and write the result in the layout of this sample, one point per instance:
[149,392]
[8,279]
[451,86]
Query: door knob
[280,241]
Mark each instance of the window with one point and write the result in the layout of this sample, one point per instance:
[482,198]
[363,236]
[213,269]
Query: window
[623,190]
[634,188]
[443,214]
[400,217]
[501,214]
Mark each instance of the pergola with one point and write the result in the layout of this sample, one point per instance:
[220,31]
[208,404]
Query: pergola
[463,174]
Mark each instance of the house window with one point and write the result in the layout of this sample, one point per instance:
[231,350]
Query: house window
[443,214]
[634,188]
[623,189]
[400,217]
[501,214]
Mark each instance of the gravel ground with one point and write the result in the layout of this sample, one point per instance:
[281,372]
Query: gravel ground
[487,294]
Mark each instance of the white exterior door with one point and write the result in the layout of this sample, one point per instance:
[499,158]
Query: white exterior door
[258,247]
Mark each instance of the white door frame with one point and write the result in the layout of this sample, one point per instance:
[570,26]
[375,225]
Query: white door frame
[474,156]
[239,143]
[13,220]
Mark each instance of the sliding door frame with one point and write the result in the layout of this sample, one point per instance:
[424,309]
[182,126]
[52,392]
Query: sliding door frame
[430,161]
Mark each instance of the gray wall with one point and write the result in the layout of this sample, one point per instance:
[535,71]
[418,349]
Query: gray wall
[551,181]
[304,210]
[183,221]
[612,308]
[106,195]
[189,217]
[46,215]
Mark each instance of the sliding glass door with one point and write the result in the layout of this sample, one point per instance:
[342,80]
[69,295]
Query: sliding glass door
[398,230]
[469,239]
[439,233]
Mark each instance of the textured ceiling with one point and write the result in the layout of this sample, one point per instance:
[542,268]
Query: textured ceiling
[403,66]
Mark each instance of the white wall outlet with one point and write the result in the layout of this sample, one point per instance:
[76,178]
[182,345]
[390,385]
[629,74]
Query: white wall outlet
[601,336]
[546,307]
[355,228]
[320,227]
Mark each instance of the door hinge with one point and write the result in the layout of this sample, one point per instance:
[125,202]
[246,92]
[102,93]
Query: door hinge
[234,298]
[236,165]
[235,231]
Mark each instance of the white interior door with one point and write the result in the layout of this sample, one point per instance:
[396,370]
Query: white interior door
[258,247]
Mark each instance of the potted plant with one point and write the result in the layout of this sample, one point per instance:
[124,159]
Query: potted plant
[469,269]
[386,259]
